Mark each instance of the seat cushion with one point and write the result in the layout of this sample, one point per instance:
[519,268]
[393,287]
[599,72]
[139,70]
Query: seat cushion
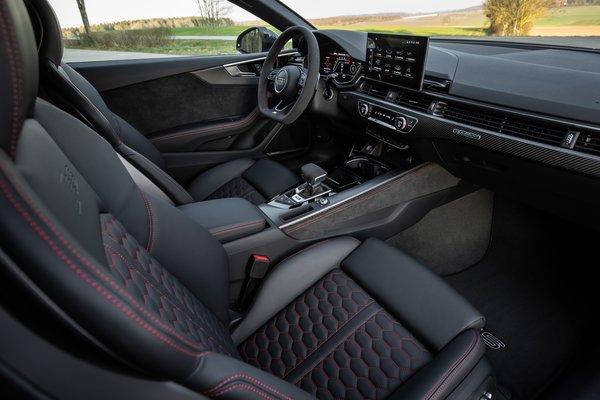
[255,181]
[335,341]
[345,333]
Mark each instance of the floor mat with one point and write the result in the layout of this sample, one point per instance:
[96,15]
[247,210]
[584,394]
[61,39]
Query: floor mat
[533,290]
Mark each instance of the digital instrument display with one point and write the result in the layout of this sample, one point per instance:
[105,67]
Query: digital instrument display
[340,63]
[397,59]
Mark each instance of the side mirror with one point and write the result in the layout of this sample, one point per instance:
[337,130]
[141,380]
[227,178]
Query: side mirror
[257,39]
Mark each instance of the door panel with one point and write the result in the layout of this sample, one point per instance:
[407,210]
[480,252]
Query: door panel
[107,75]
[179,101]
[197,111]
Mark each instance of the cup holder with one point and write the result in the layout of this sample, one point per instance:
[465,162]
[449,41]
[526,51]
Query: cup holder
[354,172]
[366,168]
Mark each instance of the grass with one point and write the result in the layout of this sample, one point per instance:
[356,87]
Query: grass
[182,47]
[419,30]
[233,30]
[584,15]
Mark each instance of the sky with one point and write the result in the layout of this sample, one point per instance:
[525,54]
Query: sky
[100,11]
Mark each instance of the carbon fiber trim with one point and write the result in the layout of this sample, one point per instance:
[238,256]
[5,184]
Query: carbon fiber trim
[432,127]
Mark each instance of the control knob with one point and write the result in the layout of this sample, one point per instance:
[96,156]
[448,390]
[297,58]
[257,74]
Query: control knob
[401,123]
[363,109]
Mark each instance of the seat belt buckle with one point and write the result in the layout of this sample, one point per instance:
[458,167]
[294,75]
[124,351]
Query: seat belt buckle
[258,266]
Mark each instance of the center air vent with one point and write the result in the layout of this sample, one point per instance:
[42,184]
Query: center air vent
[375,90]
[412,100]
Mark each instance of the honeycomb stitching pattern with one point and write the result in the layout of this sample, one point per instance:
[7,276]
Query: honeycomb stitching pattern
[370,364]
[298,330]
[238,187]
[161,293]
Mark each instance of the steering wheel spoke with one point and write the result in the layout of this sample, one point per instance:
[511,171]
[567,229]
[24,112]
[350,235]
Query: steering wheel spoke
[303,76]
[272,75]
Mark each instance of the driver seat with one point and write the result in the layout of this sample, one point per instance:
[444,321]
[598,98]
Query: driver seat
[256,181]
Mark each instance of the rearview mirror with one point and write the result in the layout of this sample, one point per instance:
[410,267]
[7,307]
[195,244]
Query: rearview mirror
[257,39]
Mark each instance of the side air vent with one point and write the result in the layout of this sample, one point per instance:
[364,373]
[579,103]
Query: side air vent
[588,143]
[504,123]
[375,90]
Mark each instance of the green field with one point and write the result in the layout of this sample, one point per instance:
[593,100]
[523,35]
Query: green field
[180,47]
[584,15]
[419,30]
[233,30]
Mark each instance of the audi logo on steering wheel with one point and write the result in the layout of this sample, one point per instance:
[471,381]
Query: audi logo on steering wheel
[281,80]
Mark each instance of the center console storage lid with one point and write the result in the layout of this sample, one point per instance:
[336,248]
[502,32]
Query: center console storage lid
[226,219]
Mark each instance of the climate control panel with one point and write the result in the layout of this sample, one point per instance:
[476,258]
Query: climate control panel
[387,118]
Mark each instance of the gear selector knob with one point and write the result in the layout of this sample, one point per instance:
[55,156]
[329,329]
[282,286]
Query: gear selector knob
[313,175]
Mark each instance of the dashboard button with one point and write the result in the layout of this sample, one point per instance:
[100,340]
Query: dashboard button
[401,123]
[363,109]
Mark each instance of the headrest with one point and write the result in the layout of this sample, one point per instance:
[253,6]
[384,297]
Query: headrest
[18,71]
[46,27]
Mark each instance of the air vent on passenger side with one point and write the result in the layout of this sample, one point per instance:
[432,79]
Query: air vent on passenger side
[588,143]
[504,123]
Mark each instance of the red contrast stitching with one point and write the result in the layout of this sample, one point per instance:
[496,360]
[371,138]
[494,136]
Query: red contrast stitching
[185,313]
[231,125]
[242,386]
[248,378]
[229,228]
[442,382]
[93,267]
[14,62]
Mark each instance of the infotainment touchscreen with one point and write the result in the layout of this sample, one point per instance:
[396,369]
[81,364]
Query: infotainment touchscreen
[397,59]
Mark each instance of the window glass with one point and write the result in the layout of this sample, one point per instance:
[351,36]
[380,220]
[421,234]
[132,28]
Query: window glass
[96,30]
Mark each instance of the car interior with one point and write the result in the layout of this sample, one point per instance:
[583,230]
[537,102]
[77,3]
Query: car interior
[358,216]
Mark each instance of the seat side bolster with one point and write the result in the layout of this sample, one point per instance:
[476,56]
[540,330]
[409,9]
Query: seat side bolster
[421,300]
[208,182]
[446,371]
[290,279]
[219,376]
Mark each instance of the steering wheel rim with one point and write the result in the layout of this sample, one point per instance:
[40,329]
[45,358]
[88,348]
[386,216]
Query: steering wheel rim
[304,79]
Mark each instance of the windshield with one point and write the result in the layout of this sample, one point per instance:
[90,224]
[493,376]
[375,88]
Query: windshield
[492,18]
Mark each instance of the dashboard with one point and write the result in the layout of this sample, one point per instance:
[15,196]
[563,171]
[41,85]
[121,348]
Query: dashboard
[492,112]
[342,64]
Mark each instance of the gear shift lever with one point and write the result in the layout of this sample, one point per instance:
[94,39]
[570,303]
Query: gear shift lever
[313,176]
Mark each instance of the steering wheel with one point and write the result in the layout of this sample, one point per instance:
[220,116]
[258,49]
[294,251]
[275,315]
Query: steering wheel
[293,87]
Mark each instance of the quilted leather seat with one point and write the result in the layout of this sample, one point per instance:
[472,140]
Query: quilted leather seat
[255,181]
[145,284]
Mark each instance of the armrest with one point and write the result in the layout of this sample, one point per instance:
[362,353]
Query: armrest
[226,219]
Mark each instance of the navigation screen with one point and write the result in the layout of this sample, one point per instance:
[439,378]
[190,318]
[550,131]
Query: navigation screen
[397,59]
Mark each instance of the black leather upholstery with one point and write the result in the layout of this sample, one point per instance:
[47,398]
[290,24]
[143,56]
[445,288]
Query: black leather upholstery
[149,285]
[226,219]
[19,74]
[72,92]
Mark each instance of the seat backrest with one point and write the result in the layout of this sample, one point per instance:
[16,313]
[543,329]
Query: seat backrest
[77,225]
